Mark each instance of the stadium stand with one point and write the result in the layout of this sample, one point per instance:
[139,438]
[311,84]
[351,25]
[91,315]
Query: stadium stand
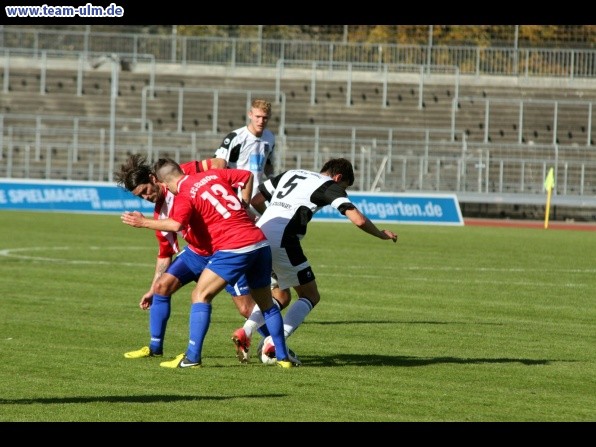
[54,126]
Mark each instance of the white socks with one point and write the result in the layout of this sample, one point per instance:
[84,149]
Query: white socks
[255,320]
[293,318]
[296,315]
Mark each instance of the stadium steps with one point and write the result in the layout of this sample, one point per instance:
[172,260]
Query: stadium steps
[401,110]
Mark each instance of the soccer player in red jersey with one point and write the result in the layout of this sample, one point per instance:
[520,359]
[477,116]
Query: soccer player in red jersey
[208,203]
[136,175]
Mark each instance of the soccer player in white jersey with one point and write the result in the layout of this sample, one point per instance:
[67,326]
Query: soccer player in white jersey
[252,147]
[294,197]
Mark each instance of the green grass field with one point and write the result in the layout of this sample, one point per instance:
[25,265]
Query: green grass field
[471,324]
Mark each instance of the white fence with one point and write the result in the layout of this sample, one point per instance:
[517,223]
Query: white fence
[237,52]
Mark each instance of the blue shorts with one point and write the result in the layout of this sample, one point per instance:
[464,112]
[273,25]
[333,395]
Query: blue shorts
[240,288]
[181,271]
[256,265]
[188,266]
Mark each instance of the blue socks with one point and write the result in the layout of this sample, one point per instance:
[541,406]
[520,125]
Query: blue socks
[275,325]
[200,318]
[263,331]
[159,313]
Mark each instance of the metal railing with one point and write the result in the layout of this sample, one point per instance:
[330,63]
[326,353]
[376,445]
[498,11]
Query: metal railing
[235,52]
[517,111]
[213,95]
[88,148]
[520,112]
[482,170]
[376,73]
[80,62]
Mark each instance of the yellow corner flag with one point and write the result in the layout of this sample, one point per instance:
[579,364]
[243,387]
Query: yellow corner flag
[549,184]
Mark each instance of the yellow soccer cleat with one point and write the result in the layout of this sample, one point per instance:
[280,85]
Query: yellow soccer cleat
[180,362]
[284,364]
[141,353]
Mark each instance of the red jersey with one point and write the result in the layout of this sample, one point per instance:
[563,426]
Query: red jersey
[208,202]
[168,240]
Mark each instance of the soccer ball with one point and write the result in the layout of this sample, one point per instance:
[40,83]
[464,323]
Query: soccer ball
[266,345]
[266,352]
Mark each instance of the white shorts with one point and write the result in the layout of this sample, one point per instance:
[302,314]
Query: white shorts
[274,283]
[289,275]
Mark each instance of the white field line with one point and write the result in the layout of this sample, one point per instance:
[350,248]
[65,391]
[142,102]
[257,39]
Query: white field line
[320,269]
[17,253]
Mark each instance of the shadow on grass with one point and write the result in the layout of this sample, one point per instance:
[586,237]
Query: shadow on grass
[127,399]
[405,361]
[350,322]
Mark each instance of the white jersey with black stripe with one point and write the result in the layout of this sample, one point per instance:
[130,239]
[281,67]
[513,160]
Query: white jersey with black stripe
[294,197]
[244,150]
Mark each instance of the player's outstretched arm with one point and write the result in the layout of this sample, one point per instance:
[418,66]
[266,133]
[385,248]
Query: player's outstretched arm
[161,265]
[365,224]
[138,220]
